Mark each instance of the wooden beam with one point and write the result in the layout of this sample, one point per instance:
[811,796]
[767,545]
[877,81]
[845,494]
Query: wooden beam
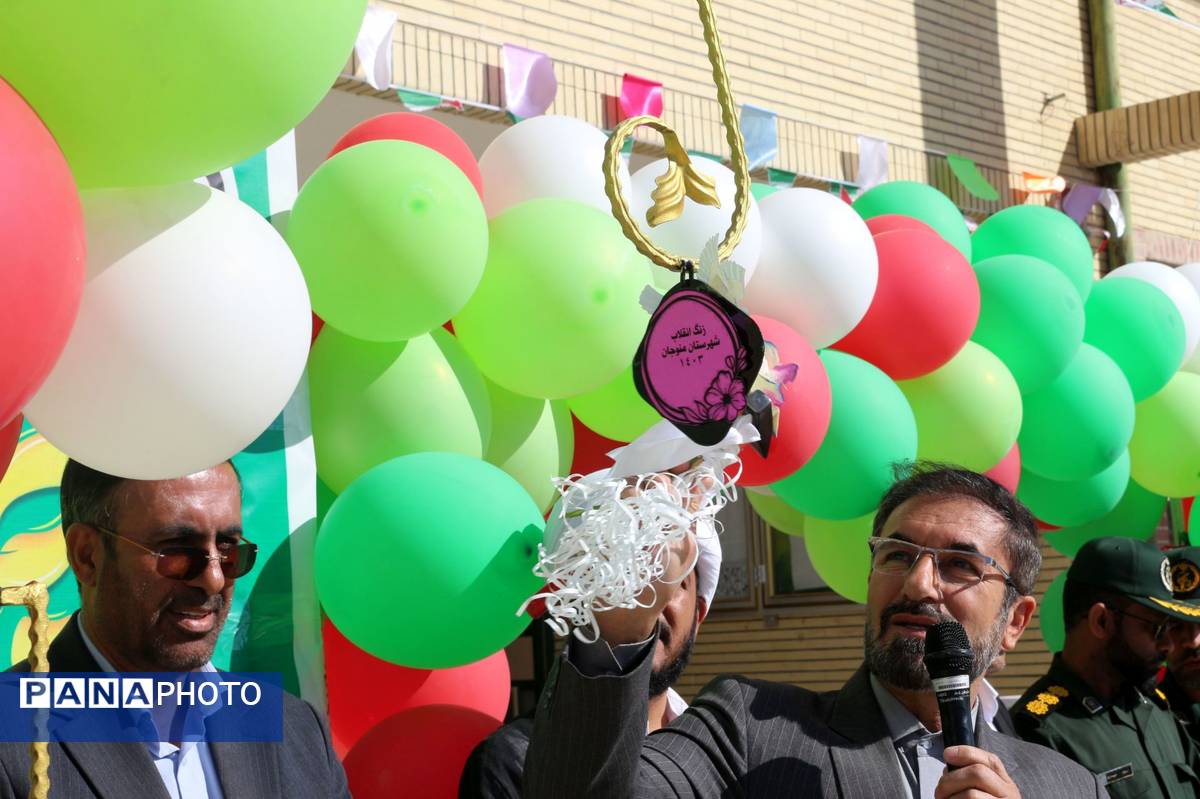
[1139,132]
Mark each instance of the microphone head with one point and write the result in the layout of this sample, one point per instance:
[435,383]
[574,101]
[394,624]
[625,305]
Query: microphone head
[948,650]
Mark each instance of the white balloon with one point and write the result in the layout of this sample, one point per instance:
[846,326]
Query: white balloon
[1192,273]
[1177,288]
[546,156]
[687,235]
[192,335]
[818,268]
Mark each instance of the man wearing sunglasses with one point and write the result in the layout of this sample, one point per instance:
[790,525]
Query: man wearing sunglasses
[156,562]
[1096,705]
[948,543]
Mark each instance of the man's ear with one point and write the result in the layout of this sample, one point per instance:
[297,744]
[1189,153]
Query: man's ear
[1099,623]
[84,552]
[701,609]
[1019,616]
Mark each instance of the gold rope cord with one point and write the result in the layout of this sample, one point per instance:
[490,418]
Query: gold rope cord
[36,601]
[682,179]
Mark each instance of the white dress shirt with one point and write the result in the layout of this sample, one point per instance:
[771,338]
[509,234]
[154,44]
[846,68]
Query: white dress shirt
[187,770]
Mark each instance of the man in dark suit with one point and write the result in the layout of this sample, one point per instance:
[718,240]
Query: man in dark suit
[156,562]
[948,543]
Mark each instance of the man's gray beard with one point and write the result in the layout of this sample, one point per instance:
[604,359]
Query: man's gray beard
[900,663]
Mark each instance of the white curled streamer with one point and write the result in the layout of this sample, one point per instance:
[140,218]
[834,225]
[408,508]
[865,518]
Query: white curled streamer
[615,535]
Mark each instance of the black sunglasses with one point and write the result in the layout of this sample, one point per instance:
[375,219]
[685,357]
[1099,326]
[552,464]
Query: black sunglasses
[180,562]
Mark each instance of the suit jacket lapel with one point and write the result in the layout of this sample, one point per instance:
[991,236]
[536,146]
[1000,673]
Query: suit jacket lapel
[868,759]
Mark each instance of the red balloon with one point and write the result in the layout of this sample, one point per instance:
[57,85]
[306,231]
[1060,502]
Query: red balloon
[1186,501]
[1046,528]
[417,128]
[8,442]
[420,752]
[364,690]
[591,449]
[888,222]
[1008,471]
[925,306]
[804,414]
[317,324]
[42,247]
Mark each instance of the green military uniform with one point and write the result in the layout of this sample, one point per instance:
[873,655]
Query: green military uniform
[1183,706]
[1136,746]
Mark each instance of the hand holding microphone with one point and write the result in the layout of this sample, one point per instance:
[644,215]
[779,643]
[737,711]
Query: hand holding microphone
[970,771]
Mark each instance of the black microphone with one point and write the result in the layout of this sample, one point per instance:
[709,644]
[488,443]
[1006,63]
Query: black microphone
[948,659]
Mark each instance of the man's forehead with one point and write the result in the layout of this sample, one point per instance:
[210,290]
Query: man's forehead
[215,491]
[955,521]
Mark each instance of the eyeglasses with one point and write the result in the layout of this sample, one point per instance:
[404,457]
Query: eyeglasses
[178,562]
[894,557]
[1157,628]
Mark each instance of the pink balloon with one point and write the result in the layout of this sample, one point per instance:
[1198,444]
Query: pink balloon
[1008,471]
[804,414]
[42,247]
[925,306]
[885,223]
[8,442]
[364,690]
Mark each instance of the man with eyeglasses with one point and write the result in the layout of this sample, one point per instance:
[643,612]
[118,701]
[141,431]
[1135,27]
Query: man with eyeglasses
[1180,685]
[156,562]
[948,543]
[1096,704]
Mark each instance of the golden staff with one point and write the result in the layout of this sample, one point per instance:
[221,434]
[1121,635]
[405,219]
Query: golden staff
[681,178]
[36,601]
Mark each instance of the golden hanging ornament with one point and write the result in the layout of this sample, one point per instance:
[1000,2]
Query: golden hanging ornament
[682,179]
[36,600]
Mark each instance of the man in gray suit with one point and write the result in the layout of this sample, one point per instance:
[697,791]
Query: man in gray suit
[947,543]
[156,562]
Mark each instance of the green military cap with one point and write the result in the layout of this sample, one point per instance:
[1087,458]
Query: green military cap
[1185,572]
[1136,569]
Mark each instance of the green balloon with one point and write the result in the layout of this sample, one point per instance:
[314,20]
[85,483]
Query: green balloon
[1072,503]
[372,402]
[776,513]
[1041,232]
[615,410]
[968,410]
[1136,515]
[1030,316]
[871,428]
[838,551]
[404,262]
[557,313]
[1050,614]
[532,440]
[137,94]
[920,201]
[1166,440]
[1136,324]
[424,560]
[1080,423]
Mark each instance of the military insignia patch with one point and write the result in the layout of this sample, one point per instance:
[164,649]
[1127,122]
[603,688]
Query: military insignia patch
[1092,705]
[1165,572]
[1059,691]
[1037,707]
[1050,699]
[1185,577]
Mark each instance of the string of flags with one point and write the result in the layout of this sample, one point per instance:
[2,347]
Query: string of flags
[530,87]
[1160,8]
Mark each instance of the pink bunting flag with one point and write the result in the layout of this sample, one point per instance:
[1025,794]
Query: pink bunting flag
[529,81]
[640,96]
